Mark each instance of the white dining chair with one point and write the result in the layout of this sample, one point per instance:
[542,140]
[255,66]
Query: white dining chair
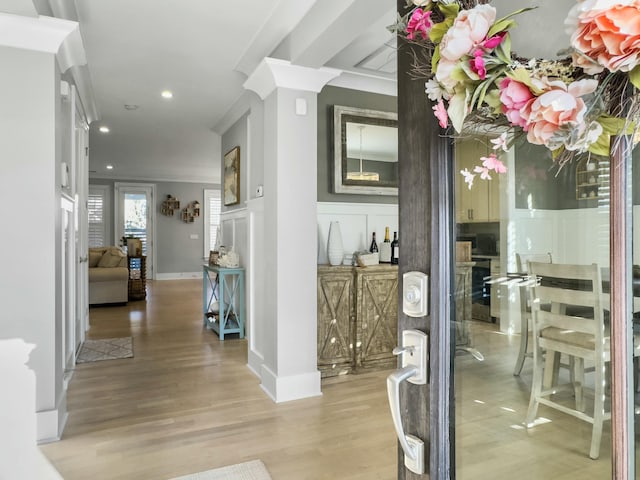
[582,335]
[525,307]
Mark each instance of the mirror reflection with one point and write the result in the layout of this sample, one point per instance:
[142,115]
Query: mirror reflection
[366,151]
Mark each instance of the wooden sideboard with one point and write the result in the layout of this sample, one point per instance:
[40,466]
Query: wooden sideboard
[357,318]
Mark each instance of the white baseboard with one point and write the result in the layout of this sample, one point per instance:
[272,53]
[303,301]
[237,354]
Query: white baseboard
[293,387]
[178,276]
[255,362]
[51,423]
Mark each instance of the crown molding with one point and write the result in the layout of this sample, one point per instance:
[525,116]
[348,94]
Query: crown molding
[274,73]
[366,83]
[44,34]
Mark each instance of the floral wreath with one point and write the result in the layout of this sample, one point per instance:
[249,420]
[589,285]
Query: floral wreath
[572,105]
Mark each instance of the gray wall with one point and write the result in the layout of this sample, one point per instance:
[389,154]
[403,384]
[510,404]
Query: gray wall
[176,252]
[236,136]
[327,98]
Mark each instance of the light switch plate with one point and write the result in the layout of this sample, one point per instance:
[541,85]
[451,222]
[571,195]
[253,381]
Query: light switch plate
[415,294]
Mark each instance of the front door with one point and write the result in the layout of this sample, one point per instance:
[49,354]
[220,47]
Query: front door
[503,400]
[135,217]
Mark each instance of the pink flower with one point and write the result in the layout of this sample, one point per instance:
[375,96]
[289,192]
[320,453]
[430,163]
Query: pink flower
[468,31]
[441,114]
[492,163]
[420,23]
[468,177]
[558,106]
[607,32]
[477,64]
[483,171]
[494,41]
[500,142]
[514,96]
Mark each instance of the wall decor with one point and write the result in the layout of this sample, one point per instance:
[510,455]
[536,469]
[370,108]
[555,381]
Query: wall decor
[191,211]
[365,147]
[169,206]
[232,176]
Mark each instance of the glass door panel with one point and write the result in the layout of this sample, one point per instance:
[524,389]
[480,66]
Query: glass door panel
[549,220]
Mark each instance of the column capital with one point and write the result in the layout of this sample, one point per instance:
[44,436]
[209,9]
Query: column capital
[274,73]
[44,34]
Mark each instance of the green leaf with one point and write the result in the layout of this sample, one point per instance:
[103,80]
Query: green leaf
[457,110]
[450,11]
[616,126]
[503,51]
[634,76]
[468,73]
[601,146]
[556,153]
[492,98]
[521,75]
[495,28]
[435,58]
[438,30]
[500,26]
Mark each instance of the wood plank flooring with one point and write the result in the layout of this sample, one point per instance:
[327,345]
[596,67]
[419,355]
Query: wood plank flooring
[187,402]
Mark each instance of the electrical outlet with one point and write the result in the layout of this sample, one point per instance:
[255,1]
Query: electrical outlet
[193,236]
[259,191]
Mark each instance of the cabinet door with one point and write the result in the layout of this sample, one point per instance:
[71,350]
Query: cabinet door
[472,205]
[494,198]
[336,330]
[377,319]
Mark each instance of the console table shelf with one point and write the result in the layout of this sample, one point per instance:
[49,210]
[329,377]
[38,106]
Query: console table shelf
[223,300]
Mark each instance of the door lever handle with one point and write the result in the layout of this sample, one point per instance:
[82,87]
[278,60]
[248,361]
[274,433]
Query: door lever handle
[414,369]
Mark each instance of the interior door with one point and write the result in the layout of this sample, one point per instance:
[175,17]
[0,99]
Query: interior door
[81,140]
[135,217]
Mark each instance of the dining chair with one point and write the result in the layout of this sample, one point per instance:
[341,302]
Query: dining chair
[573,326]
[525,307]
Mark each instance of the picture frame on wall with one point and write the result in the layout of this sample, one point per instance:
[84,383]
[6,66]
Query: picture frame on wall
[232,176]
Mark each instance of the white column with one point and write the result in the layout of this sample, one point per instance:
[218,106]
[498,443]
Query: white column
[33,52]
[289,369]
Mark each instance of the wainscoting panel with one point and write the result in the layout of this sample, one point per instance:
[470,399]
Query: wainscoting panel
[255,276]
[357,222]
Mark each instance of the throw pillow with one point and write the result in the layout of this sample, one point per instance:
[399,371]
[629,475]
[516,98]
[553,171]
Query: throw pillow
[111,258]
[94,258]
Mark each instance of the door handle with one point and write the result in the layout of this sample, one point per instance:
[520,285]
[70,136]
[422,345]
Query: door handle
[414,370]
[83,259]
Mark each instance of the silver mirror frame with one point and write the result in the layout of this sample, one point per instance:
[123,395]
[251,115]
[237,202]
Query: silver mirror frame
[339,149]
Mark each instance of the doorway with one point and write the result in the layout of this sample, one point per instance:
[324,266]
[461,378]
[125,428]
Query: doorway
[135,217]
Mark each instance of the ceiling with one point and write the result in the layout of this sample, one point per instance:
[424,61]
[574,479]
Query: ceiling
[203,51]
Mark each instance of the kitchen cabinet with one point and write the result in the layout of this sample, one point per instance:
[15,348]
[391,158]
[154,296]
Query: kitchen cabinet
[481,203]
[592,180]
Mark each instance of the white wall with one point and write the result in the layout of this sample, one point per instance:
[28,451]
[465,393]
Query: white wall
[29,287]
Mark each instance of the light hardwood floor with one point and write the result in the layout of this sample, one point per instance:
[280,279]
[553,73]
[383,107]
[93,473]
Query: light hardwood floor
[187,402]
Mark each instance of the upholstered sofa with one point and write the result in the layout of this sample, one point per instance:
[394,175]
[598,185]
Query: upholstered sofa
[108,276]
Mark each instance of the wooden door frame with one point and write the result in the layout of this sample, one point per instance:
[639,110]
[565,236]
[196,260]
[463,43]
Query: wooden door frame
[425,204]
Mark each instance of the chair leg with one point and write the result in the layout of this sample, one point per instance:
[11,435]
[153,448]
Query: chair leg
[598,414]
[524,340]
[536,388]
[551,369]
[578,382]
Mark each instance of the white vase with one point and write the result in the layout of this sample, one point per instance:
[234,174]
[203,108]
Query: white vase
[335,250]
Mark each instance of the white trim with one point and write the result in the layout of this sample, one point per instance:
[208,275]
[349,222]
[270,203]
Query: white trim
[44,34]
[239,109]
[366,83]
[205,178]
[293,387]
[51,423]
[178,276]
[255,361]
[274,73]
[207,194]
[105,191]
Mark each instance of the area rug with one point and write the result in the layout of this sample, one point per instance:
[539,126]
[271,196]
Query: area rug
[253,470]
[105,349]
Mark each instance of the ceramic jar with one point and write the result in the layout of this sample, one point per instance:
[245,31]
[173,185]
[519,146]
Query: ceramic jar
[335,250]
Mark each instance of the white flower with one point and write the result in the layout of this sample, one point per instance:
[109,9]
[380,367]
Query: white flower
[468,177]
[433,89]
[421,3]
[500,142]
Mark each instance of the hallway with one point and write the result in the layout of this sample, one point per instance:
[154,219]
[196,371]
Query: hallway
[187,402]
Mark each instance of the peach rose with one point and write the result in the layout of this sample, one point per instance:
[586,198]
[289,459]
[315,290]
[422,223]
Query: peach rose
[606,34]
[469,30]
[560,105]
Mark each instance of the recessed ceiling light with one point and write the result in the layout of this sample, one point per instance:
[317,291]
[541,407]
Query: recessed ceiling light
[131,106]
[104,129]
[167,94]
[109,167]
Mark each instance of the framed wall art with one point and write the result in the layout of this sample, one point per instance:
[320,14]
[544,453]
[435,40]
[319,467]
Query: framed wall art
[232,176]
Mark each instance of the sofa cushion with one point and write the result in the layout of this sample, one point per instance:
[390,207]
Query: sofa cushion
[111,258]
[94,257]
[116,274]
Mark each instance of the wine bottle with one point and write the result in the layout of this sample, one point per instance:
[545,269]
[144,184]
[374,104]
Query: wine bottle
[395,249]
[385,248]
[374,246]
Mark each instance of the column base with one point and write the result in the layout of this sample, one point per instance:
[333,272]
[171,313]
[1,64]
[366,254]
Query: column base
[293,387]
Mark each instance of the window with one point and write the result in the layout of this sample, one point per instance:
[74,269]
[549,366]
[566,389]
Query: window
[212,206]
[98,211]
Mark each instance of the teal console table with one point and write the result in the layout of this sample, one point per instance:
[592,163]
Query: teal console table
[225,286]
